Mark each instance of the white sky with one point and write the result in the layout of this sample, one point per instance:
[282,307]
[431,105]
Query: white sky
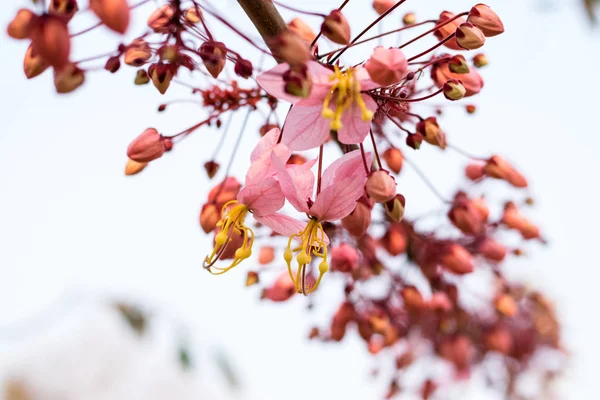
[73,227]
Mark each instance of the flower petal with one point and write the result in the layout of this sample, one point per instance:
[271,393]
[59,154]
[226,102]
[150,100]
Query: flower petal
[272,82]
[354,129]
[365,80]
[265,144]
[297,182]
[305,128]
[262,168]
[281,223]
[262,198]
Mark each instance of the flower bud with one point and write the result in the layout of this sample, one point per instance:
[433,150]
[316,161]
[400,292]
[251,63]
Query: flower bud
[50,39]
[506,305]
[213,55]
[161,75]
[137,53]
[498,168]
[63,8]
[193,15]
[465,215]
[209,216]
[480,60]
[300,27]
[224,192]
[282,289]
[515,220]
[458,350]
[431,132]
[68,78]
[112,13]
[380,186]
[395,208]
[448,28]
[413,300]
[470,109]
[141,77]
[472,81]
[440,302]
[469,37]
[485,19]
[382,6]
[297,81]
[335,27]
[499,339]
[409,18]
[148,146]
[386,66]
[474,171]
[251,278]
[211,168]
[23,24]
[266,255]
[296,159]
[33,64]
[394,159]
[458,65]
[344,258]
[414,141]
[492,250]
[134,167]
[454,90]
[394,241]
[243,68]
[112,64]
[160,20]
[457,259]
[291,48]
[359,220]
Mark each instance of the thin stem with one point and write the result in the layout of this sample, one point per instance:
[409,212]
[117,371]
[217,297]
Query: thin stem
[409,100]
[465,153]
[364,158]
[282,5]
[449,37]
[320,170]
[435,28]
[223,136]
[427,181]
[375,148]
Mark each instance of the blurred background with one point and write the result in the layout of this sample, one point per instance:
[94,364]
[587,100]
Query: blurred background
[79,240]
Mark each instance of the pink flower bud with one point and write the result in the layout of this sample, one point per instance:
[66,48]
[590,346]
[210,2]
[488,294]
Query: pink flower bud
[243,68]
[382,6]
[472,81]
[50,39]
[134,167]
[492,250]
[394,241]
[335,27]
[359,220]
[113,13]
[112,64]
[209,216]
[282,289]
[300,27]
[266,255]
[448,28]
[457,259]
[506,304]
[298,81]
[291,48]
[469,37]
[414,141]
[160,21]
[413,300]
[515,220]
[23,24]
[474,171]
[344,258]
[224,192]
[485,19]
[497,167]
[63,8]
[148,146]
[33,64]
[482,208]
[380,186]
[68,78]
[431,132]
[394,208]
[161,75]
[386,66]
[394,159]
[480,60]
[458,65]
[137,53]
[454,90]
[465,216]
[213,55]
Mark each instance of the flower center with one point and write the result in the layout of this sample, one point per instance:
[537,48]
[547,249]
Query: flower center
[344,93]
[312,243]
[232,223]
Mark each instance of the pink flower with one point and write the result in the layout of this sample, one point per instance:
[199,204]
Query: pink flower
[386,66]
[261,195]
[336,102]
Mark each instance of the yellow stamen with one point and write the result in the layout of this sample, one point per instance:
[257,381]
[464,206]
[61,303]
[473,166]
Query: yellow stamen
[232,223]
[344,92]
[312,243]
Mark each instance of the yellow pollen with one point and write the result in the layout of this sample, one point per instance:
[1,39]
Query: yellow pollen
[344,93]
[232,223]
[312,243]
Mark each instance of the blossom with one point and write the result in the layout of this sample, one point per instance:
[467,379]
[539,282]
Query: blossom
[342,184]
[337,102]
[261,196]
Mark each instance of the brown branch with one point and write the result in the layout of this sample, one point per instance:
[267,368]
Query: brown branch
[266,19]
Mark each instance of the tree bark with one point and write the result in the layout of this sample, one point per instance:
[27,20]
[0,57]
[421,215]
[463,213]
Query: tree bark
[265,18]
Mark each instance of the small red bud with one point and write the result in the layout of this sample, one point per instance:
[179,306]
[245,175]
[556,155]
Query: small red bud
[394,159]
[213,55]
[380,186]
[243,68]
[160,21]
[50,39]
[23,24]
[469,37]
[211,168]
[112,64]
[113,13]
[485,19]
[33,64]
[148,146]
[335,27]
[414,141]
[68,78]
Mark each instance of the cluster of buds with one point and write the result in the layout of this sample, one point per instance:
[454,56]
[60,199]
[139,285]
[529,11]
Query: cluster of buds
[350,217]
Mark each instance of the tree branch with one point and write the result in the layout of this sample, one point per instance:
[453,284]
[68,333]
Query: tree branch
[265,18]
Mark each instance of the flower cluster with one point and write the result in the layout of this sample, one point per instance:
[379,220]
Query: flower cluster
[363,114]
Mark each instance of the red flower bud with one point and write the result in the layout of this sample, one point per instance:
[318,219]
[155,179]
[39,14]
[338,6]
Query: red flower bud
[454,90]
[380,186]
[224,192]
[472,81]
[63,8]
[359,220]
[485,19]
[282,289]
[298,81]
[213,55]
[409,18]
[50,39]
[431,132]
[148,146]
[23,24]
[161,75]
[266,255]
[394,241]
[193,15]
[465,215]
[458,65]
[474,171]
[112,64]
[252,278]
[300,27]
[68,78]
[448,28]
[160,21]
[344,258]
[492,250]
[335,27]
[498,168]
[386,66]
[33,64]
[457,259]
[394,159]
[469,37]
[394,208]
[243,68]
[141,77]
[414,141]
[382,6]
[291,48]
[211,168]
[515,220]
[112,13]
[137,53]
[209,216]
[480,60]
